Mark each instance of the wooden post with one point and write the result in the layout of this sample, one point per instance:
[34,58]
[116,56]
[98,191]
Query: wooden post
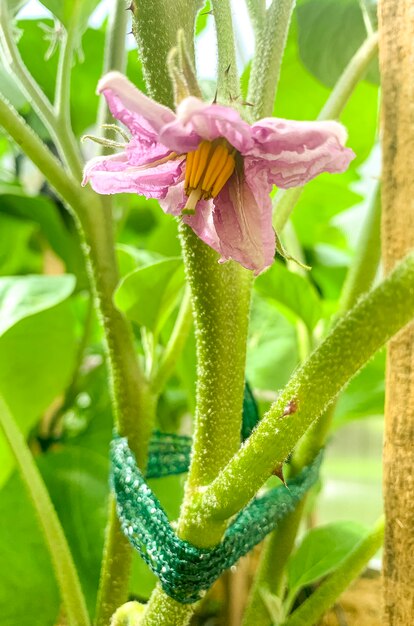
[396,28]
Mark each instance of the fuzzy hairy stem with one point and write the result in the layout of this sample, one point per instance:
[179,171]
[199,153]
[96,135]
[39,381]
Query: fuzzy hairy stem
[60,556]
[155,24]
[221,301]
[310,612]
[286,199]
[227,80]
[270,44]
[396,25]
[353,341]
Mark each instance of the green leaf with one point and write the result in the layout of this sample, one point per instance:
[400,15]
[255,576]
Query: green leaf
[37,348]
[148,294]
[321,552]
[202,18]
[364,396]
[28,591]
[330,32]
[77,482]
[291,292]
[23,296]
[51,222]
[272,353]
[16,254]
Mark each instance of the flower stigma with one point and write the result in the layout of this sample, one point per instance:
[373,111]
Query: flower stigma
[207,170]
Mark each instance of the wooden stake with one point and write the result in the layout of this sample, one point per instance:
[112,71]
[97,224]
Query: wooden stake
[396,27]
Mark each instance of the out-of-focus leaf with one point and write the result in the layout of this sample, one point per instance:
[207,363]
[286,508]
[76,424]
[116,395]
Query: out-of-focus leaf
[291,292]
[37,347]
[202,17]
[330,32]
[272,353]
[321,551]
[28,591]
[148,294]
[301,96]
[77,481]
[321,200]
[364,396]
[42,211]
[24,296]
[68,10]
[130,258]
[16,256]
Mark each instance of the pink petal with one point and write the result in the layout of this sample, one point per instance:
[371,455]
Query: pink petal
[243,222]
[201,223]
[197,120]
[115,174]
[144,117]
[294,152]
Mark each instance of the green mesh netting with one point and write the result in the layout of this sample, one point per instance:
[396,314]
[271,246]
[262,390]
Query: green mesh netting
[184,570]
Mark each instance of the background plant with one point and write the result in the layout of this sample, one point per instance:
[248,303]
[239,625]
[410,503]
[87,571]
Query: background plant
[58,264]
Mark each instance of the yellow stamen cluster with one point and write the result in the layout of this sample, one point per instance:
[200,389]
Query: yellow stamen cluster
[207,170]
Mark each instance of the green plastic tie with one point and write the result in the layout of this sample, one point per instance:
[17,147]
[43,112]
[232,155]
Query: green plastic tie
[184,570]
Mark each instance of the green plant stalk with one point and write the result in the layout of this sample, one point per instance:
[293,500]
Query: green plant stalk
[353,341]
[115,53]
[175,344]
[134,405]
[63,565]
[367,257]
[286,199]
[270,45]
[155,25]
[227,79]
[62,121]
[310,612]
[221,302]
[257,12]
[269,575]
[61,134]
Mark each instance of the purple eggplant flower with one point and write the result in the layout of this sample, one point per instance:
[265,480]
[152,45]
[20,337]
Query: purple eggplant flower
[205,163]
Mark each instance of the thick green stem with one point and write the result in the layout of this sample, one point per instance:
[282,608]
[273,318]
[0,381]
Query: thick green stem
[227,79]
[270,45]
[285,200]
[221,301]
[310,612]
[257,12]
[63,565]
[353,341]
[156,24]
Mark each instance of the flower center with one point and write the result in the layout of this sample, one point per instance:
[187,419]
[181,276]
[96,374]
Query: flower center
[207,170]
